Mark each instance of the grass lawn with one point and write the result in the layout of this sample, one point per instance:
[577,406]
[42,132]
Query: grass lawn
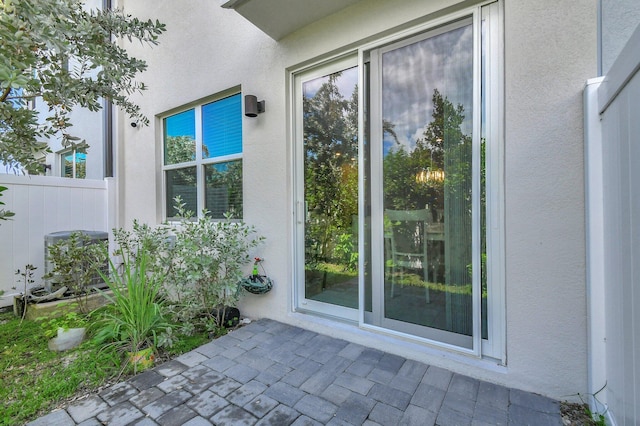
[35,380]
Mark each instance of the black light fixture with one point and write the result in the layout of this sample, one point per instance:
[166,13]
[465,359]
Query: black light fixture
[253,107]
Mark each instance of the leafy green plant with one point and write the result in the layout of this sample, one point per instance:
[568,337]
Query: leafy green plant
[30,383]
[39,40]
[144,238]
[347,252]
[77,264]
[26,279]
[4,214]
[598,418]
[135,318]
[70,319]
[206,264]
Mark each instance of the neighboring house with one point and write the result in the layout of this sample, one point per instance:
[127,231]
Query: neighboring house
[418,171]
[69,193]
[87,159]
[84,161]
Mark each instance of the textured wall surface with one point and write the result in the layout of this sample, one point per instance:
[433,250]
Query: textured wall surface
[550,51]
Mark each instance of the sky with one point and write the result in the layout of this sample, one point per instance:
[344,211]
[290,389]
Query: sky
[412,72]
[347,83]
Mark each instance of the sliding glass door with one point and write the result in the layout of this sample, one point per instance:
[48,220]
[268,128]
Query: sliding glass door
[395,152]
[328,188]
[421,160]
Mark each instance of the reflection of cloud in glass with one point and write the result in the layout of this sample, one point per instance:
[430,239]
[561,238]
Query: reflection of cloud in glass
[346,83]
[410,75]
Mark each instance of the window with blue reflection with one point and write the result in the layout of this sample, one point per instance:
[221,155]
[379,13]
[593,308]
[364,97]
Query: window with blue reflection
[222,127]
[203,158]
[180,137]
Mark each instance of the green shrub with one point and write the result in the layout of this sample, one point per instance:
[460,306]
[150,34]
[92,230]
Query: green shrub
[77,264]
[207,262]
[66,321]
[4,214]
[135,318]
[149,239]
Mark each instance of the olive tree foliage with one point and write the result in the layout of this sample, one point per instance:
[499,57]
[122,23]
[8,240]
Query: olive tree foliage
[39,39]
[4,213]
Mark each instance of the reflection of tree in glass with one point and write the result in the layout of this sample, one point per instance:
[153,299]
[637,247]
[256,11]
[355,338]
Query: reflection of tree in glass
[81,169]
[331,175]
[182,149]
[228,177]
[444,147]
[442,142]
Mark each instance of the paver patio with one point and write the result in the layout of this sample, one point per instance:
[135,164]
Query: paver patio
[269,373]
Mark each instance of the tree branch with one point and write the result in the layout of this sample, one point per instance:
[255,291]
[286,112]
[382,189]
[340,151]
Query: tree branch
[5,93]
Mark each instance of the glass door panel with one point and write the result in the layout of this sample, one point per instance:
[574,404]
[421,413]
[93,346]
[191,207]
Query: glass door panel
[423,155]
[330,168]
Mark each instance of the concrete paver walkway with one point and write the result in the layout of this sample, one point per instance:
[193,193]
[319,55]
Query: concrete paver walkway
[269,373]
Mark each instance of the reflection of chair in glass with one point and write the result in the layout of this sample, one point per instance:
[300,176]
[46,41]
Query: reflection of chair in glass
[408,243]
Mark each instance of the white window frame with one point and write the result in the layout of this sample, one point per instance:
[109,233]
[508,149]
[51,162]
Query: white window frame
[199,163]
[311,73]
[73,151]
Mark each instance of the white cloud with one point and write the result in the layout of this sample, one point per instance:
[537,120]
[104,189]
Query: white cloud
[411,74]
[346,83]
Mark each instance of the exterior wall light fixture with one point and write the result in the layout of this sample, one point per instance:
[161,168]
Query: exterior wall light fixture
[252,107]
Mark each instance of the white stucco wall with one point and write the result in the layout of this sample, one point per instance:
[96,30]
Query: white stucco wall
[550,51]
[86,125]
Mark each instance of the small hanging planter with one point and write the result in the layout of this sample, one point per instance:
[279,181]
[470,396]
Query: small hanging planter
[256,283]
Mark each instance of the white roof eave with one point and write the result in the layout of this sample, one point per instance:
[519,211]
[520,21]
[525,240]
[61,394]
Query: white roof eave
[279,18]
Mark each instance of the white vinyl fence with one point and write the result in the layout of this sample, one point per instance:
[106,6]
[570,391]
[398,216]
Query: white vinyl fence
[45,204]
[612,129]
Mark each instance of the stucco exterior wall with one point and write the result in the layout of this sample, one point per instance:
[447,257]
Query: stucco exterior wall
[550,51]
[87,125]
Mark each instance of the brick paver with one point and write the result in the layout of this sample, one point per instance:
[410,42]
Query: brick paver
[270,373]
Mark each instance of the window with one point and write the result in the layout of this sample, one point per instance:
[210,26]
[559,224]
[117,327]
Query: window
[202,161]
[74,163]
[398,184]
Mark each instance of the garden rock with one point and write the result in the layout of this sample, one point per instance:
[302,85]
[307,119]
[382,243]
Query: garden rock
[67,339]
